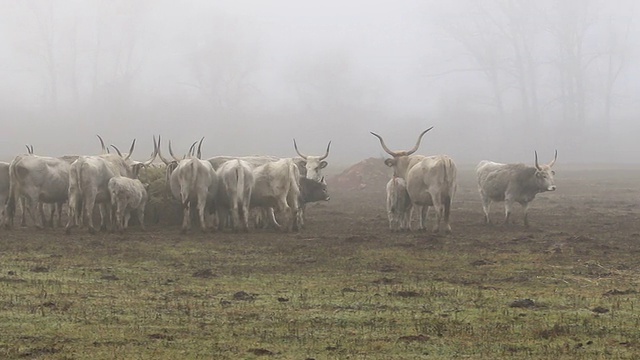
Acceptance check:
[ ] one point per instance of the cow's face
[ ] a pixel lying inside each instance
(544, 178)
(544, 174)
(314, 165)
(400, 165)
(316, 190)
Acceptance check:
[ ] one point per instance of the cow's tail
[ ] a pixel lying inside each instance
(448, 184)
(240, 182)
(294, 194)
(191, 186)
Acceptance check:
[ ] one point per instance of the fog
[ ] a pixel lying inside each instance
(497, 79)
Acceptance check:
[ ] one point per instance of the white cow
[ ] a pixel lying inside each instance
(127, 195)
(193, 182)
(276, 186)
(37, 180)
(88, 184)
(234, 193)
(398, 204)
(431, 181)
(513, 183)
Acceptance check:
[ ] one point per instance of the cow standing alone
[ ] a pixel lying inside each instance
(513, 183)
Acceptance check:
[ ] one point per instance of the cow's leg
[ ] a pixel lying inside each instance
(235, 214)
(73, 213)
(446, 200)
(525, 207)
(508, 206)
(186, 216)
(423, 214)
(246, 210)
(87, 210)
(140, 214)
(23, 205)
(44, 221)
(201, 206)
(439, 207)
(486, 206)
(59, 207)
(405, 223)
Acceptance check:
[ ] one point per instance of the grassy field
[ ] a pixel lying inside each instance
(343, 288)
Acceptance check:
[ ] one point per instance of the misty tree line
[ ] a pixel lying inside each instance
(555, 65)
(539, 72)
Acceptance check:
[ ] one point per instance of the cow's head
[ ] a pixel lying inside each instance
(314, 190)
(313, 164)
(401, 159)
(544, 174)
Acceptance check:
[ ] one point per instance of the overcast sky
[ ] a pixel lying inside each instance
(497, 79)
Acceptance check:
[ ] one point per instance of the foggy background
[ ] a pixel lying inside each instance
(498, 79)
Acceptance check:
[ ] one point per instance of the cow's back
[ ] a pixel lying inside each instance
(435, 174)
(495, 179)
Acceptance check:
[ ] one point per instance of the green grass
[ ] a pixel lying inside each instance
(136, 296)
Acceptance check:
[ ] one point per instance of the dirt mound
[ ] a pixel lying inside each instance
(371, 172)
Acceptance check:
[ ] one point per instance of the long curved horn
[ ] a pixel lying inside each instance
(167, 162)
(117, 150)
(171, 152)
(104, 149)
(327, 153)
(555, 157)
(133, 145)
(295, 146)
(384, 146)
(200, 148)
(29, 151)
(154, 153)
(536, 163)
(415, 148)
(192, 148)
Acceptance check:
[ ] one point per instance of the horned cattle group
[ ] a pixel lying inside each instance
(231, 191)
(222, 189)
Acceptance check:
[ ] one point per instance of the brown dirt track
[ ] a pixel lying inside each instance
(588, 231)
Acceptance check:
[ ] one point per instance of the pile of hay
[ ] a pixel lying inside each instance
(368, 173)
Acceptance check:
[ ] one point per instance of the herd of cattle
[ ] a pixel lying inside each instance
(226, 190)
(221, 189)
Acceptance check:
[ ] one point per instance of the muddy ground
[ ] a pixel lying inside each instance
(589, 229)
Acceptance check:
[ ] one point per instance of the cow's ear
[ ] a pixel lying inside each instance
(390, 162)
(323, 164)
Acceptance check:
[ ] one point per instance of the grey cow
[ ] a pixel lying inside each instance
(513, 183)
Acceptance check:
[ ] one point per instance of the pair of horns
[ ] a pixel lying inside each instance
(190, 153)
(305, 156)
(401, 153)
(555, 157)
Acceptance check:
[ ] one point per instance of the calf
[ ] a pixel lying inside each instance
(513, 183)
(398, 204)
(127, 195)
